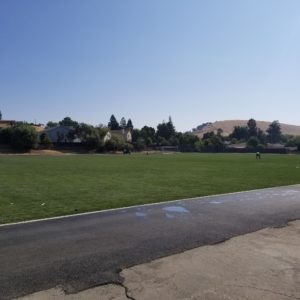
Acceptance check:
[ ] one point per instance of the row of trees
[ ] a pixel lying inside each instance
(254, 136)
(23, 136)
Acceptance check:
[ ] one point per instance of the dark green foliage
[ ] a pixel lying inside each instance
(0, 115)
(298, 142)
(136, 133)
(162, 141)
(261, 136)
(51, 124)
(148, 134)
(45, 141)
(274, 132)
(129, 124)
(114, 144)
(113, 124)
(67, 121)
(140, 144)
(91, 136)
(219, 132)
(166, 130)
(213, 142)
(244, 133)
(24, 137)
(187, 142)
(253, 142)
(5, 135)
(240, 133)
(293, 141)
(252, 128)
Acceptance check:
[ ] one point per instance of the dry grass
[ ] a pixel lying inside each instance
(228, 125)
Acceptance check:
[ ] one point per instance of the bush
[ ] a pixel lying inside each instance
(5, 135)
(114, 144)
(45, 141)
(92, 141)
(253, 142)
(24, 137)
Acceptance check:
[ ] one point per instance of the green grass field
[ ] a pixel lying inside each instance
(44, 186)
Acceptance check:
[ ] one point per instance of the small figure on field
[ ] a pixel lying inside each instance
(257, 155)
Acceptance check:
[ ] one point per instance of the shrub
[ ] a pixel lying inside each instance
(5, 135)
(45, 141)
(114, 144)
(24, 137)
(253, 142)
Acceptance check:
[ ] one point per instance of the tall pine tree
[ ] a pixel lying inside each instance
(123, 123)
(113, 124)
(129, 124)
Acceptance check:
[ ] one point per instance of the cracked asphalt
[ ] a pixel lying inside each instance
(84, 251)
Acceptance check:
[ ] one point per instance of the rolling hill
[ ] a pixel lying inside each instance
(228, 125)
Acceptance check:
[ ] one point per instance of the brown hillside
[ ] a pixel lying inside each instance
(228, 125)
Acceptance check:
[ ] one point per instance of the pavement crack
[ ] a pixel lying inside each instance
(121, 284)
(264, 290)
(126, 291)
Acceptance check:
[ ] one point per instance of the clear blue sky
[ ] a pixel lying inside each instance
(196, 61)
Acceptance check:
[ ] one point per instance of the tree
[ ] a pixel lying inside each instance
(136, 133)
(252, 128)
(0, 115)
(113, 124)
(5, 135)
(67, 121)
(82, 131)
(166, 130)
(45, 141)
(187, 141)
(51, 124)
(274, 132)
(219, 132)
(24, 137)
(148, 134)
(123, 123)
(297, 139)
(239, 133)
(261, 136)
(253, 142)
(94, 139)
(212, 142)
(114, 144)
(129, 124)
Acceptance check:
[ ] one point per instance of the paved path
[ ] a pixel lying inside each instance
(88, 250)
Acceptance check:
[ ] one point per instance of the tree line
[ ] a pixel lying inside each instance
(23, 136)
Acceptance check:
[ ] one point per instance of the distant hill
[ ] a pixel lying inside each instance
(228, 125)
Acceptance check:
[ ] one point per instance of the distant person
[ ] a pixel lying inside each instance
(257, 155)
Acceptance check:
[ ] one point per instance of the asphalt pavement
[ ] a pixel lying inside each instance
(83, 251)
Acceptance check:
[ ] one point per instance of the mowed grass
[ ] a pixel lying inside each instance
(43, 186)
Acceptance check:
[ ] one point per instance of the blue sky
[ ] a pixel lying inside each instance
(196, 61)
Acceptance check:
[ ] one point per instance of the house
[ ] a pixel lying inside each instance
(123, 134)
(61, 134)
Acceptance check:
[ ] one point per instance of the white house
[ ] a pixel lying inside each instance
(123, 134)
